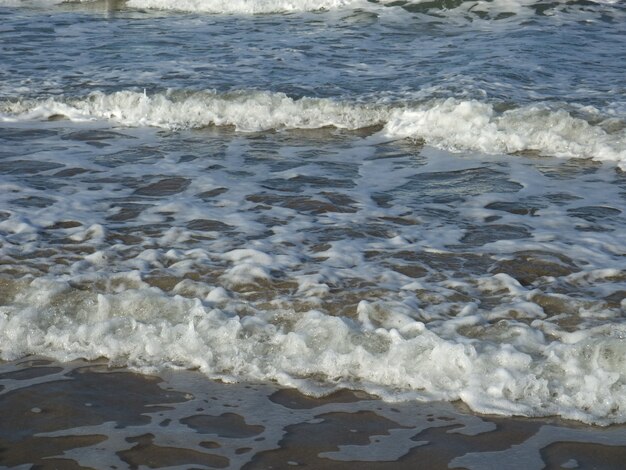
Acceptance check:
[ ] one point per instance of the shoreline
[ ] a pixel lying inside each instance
(86, 415)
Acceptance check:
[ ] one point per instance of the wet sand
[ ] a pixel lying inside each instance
(87, 415)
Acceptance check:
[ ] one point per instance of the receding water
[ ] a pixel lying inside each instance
(418, 200)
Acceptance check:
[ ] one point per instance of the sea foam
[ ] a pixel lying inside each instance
(468, 8)
(244, 6)
(246, 111)
(476, 10)
(580, 378)
(451, 124)
(471, 125)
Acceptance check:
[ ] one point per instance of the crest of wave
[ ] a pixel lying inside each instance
(247, 111)
(471, 125)
(451, 124)
(244, 6)
(39, 3)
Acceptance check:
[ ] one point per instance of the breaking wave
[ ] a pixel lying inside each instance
(244, 6)
(493, 9)
(580, 376)
(451, 124)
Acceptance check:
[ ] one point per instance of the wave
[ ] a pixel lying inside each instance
(578, 376)
(41, 3)
(471, 125)
(492, 9)
(451, 124)
(246, 111)
(244, 6)
(477, 7)
(205, 6)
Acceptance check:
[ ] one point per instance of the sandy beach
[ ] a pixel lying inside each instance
(87, 415)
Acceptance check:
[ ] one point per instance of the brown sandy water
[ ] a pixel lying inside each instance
(319, 260)
(87, 415)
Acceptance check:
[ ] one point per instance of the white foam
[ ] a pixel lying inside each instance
(315, 300)
(473, 9)
(244, 6)
(471, 125)
(40, 3)
(148, 330)
(247, 111)
(450, 124)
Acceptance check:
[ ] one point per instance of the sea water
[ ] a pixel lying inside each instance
(415, 199)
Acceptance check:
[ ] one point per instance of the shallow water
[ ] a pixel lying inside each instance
(415, 201)
(75, 415)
